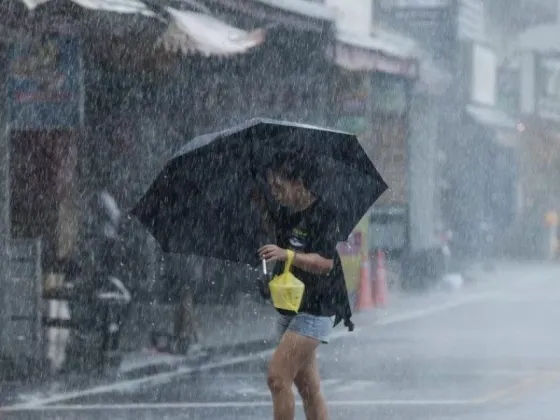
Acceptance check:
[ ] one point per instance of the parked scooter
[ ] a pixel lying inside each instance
(100, 299)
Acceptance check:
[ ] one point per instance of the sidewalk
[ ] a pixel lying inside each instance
(232, 330)
(236, 329)
(224, 329)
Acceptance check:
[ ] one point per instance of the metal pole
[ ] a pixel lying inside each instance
(4, 201)
(4, 230)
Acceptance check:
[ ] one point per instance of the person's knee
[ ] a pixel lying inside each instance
(307, 386)
(277, 381)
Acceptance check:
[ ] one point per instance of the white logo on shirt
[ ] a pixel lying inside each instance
(296, 243)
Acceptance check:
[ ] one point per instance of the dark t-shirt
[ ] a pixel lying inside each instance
(314, 231)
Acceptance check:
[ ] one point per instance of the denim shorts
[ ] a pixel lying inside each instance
(312, 326)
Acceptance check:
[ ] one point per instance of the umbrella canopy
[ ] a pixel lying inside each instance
(201, 202)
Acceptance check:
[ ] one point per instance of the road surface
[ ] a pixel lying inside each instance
(488, 352)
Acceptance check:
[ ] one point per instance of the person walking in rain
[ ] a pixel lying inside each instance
(305, 230)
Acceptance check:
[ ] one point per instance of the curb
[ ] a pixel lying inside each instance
(114, 372)
(206, 355)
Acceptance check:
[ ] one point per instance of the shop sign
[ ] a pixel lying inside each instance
(354, 104)
(389, 94)
(428, 21)
(45, 83)
(540, 86)
(389, 228)
(471, 20)
(424, 18)
(352, 99)
(548, 88)
(483, 75)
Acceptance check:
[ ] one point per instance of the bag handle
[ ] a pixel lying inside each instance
(289, 260)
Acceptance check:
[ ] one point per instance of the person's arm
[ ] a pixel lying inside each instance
(321, 260)
(313, 263)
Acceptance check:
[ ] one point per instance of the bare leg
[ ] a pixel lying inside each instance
(308, 384)
(291, 354)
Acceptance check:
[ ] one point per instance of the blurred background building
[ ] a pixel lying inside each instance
(456, 101)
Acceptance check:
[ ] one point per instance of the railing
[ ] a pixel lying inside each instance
(22, 303)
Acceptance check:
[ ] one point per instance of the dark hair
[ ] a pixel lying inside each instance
(293, 168)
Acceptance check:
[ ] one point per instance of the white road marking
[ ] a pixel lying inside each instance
(353, 385)
(164, 377)
(513, 373)
(329, 386)
(421, 313)
(525, 298)
(230, 404)
(327, 383)
(253, 392)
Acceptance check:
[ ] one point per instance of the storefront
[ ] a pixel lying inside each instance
(90, 108)
(75, 120)
(539, 144)
(471, 144)
(375, 107)
(373, 80)
(287, 77)
(373, 91)
(45, 102)
(426, 112)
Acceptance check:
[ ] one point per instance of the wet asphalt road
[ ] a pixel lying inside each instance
(488, 352)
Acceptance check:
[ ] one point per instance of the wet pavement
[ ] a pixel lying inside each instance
(491, 351)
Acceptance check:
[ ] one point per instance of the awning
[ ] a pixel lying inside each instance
(188, 32)
(315, 10)
(302, 15)
(358, 52)
(118, 6)
(492, 117)
(391, 52)
(196, 32)
(543, 38)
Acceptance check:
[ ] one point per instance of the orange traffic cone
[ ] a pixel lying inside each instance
(365, 298)
(380, 281)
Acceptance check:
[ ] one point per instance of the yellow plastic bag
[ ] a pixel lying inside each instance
(286, 290)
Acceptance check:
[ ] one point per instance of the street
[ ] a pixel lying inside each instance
(489, 351)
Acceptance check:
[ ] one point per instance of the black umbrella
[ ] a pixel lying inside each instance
(201, 202)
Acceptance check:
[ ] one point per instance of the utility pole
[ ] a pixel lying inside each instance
(4, 204)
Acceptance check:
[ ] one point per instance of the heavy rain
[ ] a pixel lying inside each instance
(279, 209)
